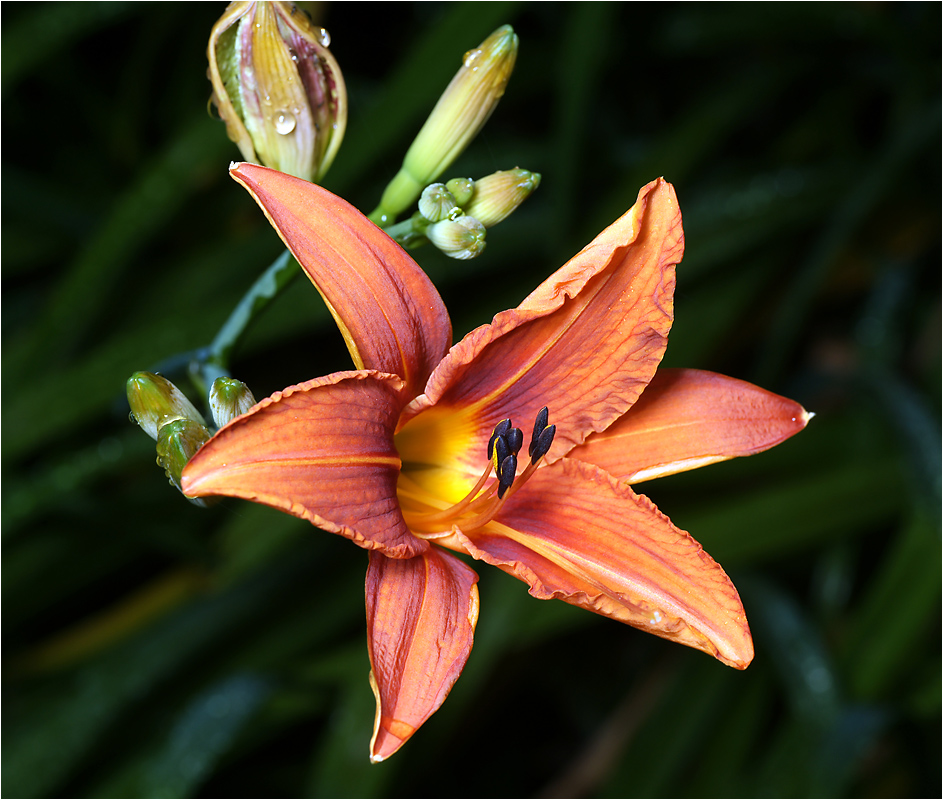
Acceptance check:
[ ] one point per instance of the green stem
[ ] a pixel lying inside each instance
(213, 362)
(410, 232)
(400, 194)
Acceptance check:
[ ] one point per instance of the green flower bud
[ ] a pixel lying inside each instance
(177, 443)
(462, 189)
(497, 195)
(277, 87)
(462, 238)
(229, 399)
(462, 110)
(155, 402)
(436, 202)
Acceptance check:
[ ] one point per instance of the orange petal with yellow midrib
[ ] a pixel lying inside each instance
(688, 418)
(574, 533)
(323, 451)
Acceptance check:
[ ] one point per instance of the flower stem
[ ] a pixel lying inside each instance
(400, 194)
(410, 232)
(213, 362)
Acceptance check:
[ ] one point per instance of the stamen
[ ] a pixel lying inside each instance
(499, 430)
(543, 417)
(461, 505)
(501, 452)
(480, 505)
(515, 440)
(507, 473)
(539, 447)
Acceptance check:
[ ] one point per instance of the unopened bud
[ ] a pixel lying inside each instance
(462, 110)
(229, 399)
(498, 195)
(177, 443)
(436, 202)
(462, 238)
(155, 402)
(462, 189)
(277, 87)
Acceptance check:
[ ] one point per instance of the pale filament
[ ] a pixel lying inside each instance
(473, 511)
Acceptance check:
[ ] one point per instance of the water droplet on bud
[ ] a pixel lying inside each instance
(471, 57)
(324, 38)
(284, 122)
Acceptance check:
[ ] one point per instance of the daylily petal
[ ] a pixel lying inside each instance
(387, 309)
(585, 343)
(421, 616)
(576, 534)
(321, 450)
(688, 418)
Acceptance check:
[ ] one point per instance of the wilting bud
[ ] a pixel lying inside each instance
(436, 202)
(461, 112)
(155, 402)
(229, 399)
(462, 238)
(497, 195)
(462, 189)
(177, 443)
(277, 87)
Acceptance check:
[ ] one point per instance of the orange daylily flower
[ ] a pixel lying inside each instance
(401, 454)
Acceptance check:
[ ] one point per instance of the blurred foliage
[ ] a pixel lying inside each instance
(156, 649)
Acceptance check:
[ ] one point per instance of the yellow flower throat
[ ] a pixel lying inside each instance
(428, 514)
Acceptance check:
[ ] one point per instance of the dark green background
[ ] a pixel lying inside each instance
(152, 648)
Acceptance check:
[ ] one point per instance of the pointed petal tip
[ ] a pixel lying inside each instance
(737, 650)
(248, 173)
(385, 743)
(745, 660)
(238, 169)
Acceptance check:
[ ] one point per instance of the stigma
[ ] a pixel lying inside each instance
(498, 482)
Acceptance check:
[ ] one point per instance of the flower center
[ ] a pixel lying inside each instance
(485, 499)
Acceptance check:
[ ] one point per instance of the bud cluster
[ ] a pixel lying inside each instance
(454, 215)
(167, 416)
(462, 110)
